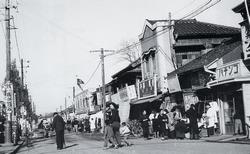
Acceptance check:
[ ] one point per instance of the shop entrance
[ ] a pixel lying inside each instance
(232, 105)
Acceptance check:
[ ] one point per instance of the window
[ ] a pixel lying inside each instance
(184, 57)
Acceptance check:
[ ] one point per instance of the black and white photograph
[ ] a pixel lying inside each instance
(125, 76)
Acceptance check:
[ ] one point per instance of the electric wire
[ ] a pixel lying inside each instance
(92, 75)
(166, 28)
(16, 40)
(187, 5)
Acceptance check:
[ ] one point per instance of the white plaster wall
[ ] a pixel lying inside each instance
(165, 64)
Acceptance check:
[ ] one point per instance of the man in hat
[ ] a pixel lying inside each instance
(58, 126)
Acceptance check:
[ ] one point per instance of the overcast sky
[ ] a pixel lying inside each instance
(57, 35)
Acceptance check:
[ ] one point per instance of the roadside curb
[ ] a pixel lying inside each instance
(16, 148)
(234, 142)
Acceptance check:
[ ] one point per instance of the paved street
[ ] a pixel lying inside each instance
(78, 144)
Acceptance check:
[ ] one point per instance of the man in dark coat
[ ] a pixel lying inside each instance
(193, 125)
(115, 122)
(145, 124)
(58, 125)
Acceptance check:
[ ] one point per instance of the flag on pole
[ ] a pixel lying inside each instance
(79, 82)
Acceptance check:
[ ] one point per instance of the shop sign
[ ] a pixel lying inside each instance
(131, 92)
(147, 88)
(228, 71)
(123, 94)
(173, 84)
(246, 40)
(99, 98)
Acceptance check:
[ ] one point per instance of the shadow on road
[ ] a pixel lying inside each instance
(70, 146)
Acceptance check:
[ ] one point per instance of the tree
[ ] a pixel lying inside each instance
(130, 51)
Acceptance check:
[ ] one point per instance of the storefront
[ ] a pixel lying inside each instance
(232, 86)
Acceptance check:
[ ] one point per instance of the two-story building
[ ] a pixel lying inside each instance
(84, 103)
(124, 87)
(167, 45)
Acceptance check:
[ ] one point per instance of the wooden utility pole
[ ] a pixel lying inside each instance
(173, 58)
(22, 73)
(103, 81)
(8, 132)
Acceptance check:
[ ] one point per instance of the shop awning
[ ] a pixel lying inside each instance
(146, 100)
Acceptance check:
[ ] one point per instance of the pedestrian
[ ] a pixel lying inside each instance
(171, 124)
(58, 125)
(192, 115)
(75, 125)
(125, 132)
(210, 119)
(163, 121)
(115, 122)
(180, 127)
(109, 135)
(237, 123)
(154, 122)
(145, 124)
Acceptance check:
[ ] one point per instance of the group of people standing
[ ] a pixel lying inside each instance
(170, 124)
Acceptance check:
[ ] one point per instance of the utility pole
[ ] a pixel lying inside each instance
(8, 132)
(8, 52)
(173, 58)
(103, 81)
(22, 73)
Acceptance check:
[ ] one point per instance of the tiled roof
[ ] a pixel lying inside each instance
(207, 58)
(130, 67)
(241, 7)
(152, 22)
(187, 28)
(192, 27)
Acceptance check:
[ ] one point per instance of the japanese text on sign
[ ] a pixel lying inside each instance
(228, 71)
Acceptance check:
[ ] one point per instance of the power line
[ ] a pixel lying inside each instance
(187, 5)
(17, 45)
(92, 74)
(166, 28)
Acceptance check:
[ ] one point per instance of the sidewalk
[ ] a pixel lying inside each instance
(10, 148)
(238, 139)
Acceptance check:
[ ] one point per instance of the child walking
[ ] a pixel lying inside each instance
(109, 136)
(125, 132)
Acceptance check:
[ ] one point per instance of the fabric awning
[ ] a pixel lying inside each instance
(146, 100)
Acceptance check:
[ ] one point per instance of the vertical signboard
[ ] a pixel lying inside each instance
(147, 88)
(131, 92)
(245, 32)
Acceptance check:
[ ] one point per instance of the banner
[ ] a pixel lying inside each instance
(131, 92)
(147, 88)
(99, 98)
(123, 94)
(173, 84)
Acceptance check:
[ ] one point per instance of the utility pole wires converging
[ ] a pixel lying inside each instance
(102, 51)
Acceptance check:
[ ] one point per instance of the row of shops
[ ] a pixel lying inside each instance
(189, 64)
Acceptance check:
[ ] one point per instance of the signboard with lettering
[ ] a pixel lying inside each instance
(228, 71)
(123, 94)
(173, 84)
(147, 88)
(245, 30)
(131, 92)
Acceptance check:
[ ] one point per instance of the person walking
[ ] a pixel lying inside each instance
(109, 136)
(163, 121)
(154, 122)
(145, 124)
(192, 115)
(75, 125)
(115, 122)
(58, 125)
